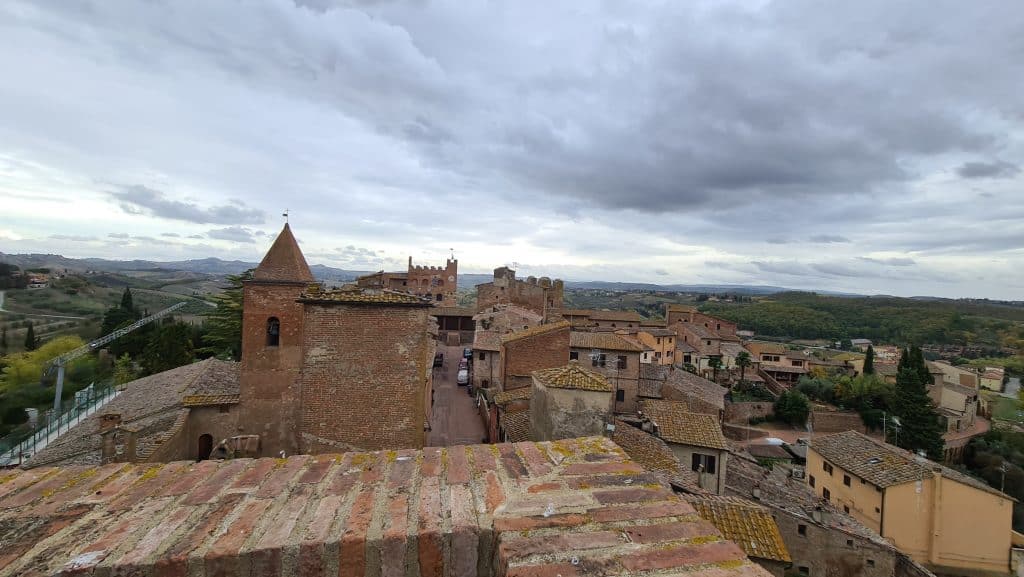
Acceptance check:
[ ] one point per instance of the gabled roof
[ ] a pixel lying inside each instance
(748, 524)
(516, 426)
(572, 376)
(655, 456)
(486, 341)
(687, 384)
(603, 341)
(884, 465)
(677, 425)
(284, 261)
(534, 331)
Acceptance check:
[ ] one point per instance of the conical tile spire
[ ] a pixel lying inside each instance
(284, 261)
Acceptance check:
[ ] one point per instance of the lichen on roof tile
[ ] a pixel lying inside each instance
(748, 524)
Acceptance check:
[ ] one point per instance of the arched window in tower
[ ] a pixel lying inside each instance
(273, 332)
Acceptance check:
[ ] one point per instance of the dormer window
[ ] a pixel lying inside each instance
(273, 332)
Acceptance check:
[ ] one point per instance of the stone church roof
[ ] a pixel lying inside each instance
(284, 261)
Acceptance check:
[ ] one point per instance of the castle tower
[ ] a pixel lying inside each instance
(272, 333)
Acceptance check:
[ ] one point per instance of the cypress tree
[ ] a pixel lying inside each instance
(869, 361)
(920, 429)
(31, 343)
(126, 300)
(3, 340)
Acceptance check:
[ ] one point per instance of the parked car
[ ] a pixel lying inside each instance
(463, 364)
(439, 360)
(463, 377)
(467, 353)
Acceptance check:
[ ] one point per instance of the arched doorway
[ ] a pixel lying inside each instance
(205, 447)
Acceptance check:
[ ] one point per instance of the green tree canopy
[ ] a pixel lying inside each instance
(869, 361)
(792, 407)
(223, 336)
(31, 343)
(170, 347)
(919, 426)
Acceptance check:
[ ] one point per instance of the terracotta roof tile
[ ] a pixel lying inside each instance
(748, 524)
(207, 400)
(533, 331)
(516, 426)
(688, 384)
(572, 376)
(520, 394)
(487, 341)
(676, 425)
(654, 455)
(603, 341)
(360, 296)
(284, 261)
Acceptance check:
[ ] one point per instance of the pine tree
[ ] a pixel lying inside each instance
(31, 343)
(222, 335)
(869, 361)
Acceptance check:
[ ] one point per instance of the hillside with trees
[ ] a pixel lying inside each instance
(881, 319)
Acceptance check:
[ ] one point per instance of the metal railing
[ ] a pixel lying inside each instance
(18, 447)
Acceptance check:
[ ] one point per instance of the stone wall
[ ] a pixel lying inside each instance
(218, 421)
(741, 433)
(364, 377)
(538, 295)
(568, 413)
(741, 413)
(532, 509)
(831, 551)
(837, 422)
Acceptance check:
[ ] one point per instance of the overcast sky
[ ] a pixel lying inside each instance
(870, 146)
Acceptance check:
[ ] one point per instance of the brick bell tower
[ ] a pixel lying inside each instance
(272, 332)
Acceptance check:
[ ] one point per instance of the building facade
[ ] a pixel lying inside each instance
(539, 295)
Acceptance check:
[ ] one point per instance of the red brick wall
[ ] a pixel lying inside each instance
(268, 375)
(429, 281)
(365, 377)
(520, 357)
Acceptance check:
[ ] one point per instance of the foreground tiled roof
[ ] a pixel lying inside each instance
(572, 376)
(574, 507)
(602, 341)
(150, 405)
(747, 524)
(284, 261)
(360, 296)
(676, 425)
(520, 394)
(534, 331)
(882, 464)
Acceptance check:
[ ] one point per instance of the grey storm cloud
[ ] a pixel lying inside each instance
(233, 233)
(139, 199)
(998, 169)
(121, 235)
(828, 238)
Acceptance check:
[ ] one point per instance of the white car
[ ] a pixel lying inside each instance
(463, 377)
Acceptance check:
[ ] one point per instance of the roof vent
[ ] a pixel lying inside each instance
(874, 461)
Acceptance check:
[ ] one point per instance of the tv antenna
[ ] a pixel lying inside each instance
(285, 215)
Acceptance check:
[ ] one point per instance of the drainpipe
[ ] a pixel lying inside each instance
(936, 513)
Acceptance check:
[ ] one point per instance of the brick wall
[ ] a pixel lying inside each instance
(836, 422)
(832, 551)
(520, 357)
(626, 380)
(268, 376)
(539, 295)
(365, 377)
(567, 508)
(741, 413)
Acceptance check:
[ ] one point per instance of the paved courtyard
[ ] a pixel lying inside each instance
(455, 419)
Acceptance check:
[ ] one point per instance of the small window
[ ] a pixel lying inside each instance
(705, 463)
(483, 355)
(597, 360)
(877, 510)
(810, 480)
(871, 562)
(826, 494)
(273, 332)
(622, 362)
(802, 529)
(846, 480)
(620, 395)
(826, 467)
(613, 325)
(659, 340)
(574, 355)
(439, 297)
(846, 509)
(849, 542)
(224, 408)
(804, 570)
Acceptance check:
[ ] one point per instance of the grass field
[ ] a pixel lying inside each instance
(1007, 409)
